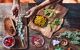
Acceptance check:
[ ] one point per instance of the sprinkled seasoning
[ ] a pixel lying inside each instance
(40, 21)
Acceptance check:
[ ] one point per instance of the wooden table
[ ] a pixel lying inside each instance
(71, 23)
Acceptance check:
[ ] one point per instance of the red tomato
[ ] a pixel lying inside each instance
(8, 41)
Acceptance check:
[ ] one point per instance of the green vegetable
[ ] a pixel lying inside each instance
(19, 30)
(49, 12)
(58, 48)
(55, 22)
(52, 25)
(52, 14)
(74, 37)
(75, 42)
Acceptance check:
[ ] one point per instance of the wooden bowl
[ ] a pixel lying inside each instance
(9, 26)
(37, 40)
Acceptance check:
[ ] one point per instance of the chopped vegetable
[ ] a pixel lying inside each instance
(40, 21)
(52, 25)
(8, 41)
(52, 14)
(47, 12)
(74, 37)
(55, 22)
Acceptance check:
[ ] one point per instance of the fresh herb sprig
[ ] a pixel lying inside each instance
(74, 37)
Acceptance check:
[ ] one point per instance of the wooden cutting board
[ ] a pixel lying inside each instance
(46, 30)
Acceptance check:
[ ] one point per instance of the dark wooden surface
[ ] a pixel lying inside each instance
(72, 18)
